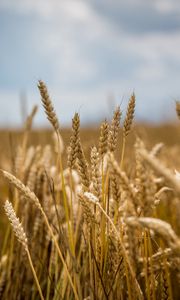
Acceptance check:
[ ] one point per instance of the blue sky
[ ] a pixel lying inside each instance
(92, 54)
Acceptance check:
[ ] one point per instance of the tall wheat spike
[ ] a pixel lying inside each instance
(114, 129)
(103, 139)
(74, 142)
(129, 115)
(48, 106)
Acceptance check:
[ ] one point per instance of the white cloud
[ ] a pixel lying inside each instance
(64, 41)
(66, 47)
(149, 72)
(76, 10)
(167, 6)
(153, 46)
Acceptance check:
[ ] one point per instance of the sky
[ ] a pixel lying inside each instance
(92, 54)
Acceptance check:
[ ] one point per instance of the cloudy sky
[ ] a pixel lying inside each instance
(92, 54)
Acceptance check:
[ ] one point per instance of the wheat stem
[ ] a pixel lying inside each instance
(34, 274)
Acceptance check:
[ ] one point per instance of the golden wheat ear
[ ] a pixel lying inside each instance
(127, 124)
(129, 115)
(48, 106)
(114, 130)
(74, 142)
(16, 225)
(103, 139)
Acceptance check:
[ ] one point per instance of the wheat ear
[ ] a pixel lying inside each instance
(74, 141)
(114, 129)
(103, 139)
(128, 124)
(48, 106)
(22, 238)
(83, 167)
(129, 115)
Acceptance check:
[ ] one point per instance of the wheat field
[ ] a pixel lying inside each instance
(90, 213)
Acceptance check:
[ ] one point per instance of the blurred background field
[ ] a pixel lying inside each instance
(168, 134)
